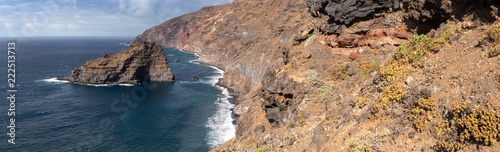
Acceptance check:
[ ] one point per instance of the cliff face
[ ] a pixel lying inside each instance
(142, 61)
(313, 76)
(240, 37)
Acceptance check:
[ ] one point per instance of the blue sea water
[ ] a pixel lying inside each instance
(53, 115)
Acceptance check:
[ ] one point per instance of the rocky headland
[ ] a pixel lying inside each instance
(140, 62)
(352, 75)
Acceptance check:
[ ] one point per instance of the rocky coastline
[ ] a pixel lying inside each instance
(309, 76)
(140, 62)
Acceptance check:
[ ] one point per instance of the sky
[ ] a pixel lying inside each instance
(32, 18)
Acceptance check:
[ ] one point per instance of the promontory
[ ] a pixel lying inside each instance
(141, 62)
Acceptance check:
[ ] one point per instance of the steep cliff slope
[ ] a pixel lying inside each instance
(142, 61)
(395, 75)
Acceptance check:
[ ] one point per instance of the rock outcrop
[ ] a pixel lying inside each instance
(420, 13)
(140, 62)
(345, 12)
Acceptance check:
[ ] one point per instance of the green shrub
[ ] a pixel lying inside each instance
(414, 52)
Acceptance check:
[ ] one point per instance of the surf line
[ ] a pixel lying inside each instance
(220, 124)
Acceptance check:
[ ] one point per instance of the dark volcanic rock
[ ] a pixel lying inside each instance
(343, 12)
(142, 61)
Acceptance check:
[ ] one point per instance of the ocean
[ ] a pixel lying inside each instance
(52, 115)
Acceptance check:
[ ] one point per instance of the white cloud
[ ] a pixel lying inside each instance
(57, 26)
(74, 26)
(7, 26)
(94, 17)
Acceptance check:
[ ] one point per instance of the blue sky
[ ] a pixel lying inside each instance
(31, 18)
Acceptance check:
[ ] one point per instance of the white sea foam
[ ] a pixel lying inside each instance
(200, 81)
(194, 61)
(108, 85)
(196, 54)
(56, 81)
(220, 124)
(125, 44)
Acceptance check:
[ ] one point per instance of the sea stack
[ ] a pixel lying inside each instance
(141, 62)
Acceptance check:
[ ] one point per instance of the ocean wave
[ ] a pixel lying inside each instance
(107, 85)
(125, 44)
(217, 70)
(56, 81)
(220, 124)
(196, 54)
(195, 62)
(201, 81)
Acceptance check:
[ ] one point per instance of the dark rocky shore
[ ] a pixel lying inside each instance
(141, 62)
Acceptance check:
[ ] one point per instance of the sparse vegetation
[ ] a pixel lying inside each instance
(368, 68)
(310, 41)
(494, 34)
(360, 101)
(312, 77)
(421, 123)
(479, 125)
(325, 92)
(459, 109)
(414, 52)
(426, 104)
(393, 93)
(394, 71)
(441, 129)
(494, 37)
(369, 142)
(474, 125)
(443, 37)
(447, 146)
(354, 145)
(422, 114)
(302, 120)
(338, 72)
(495, 51)
(260, 149)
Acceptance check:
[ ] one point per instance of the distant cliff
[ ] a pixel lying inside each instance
(140, 62)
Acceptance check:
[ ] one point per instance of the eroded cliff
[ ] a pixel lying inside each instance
(140, 62)
(314, 76)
